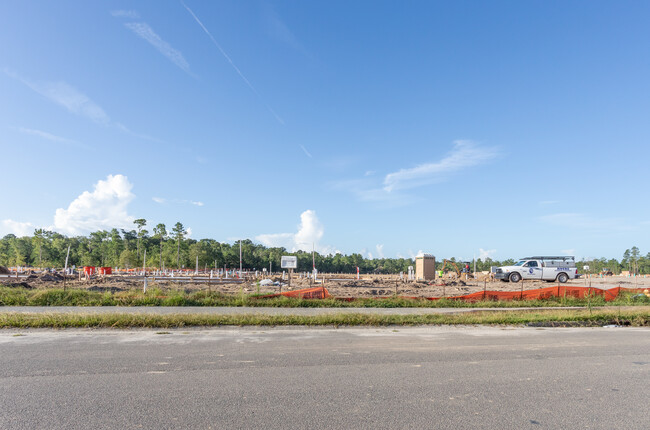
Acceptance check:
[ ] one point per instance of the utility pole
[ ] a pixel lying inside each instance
(313, 262)
(474, 266)
(65, 269)
(144, 271)
(240, 260)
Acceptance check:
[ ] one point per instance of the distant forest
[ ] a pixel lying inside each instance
(172, 249)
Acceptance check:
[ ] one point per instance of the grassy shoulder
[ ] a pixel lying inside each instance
(10, 296)
(547, 318)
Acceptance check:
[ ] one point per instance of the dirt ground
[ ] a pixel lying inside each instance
(338, 285)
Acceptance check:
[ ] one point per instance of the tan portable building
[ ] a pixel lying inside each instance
(425, 267)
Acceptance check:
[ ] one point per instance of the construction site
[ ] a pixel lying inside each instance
(423, 282)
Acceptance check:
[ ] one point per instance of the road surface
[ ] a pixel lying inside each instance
(374, 378)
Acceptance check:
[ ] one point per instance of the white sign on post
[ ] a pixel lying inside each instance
(289, 262)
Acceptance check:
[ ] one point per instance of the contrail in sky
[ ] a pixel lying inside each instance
(241, 75)
(306, 152)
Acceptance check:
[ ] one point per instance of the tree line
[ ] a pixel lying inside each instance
(172, 249)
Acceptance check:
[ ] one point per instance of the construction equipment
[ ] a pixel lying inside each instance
(451, 263)
(606, 272)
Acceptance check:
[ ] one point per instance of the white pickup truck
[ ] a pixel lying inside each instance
(559, 269)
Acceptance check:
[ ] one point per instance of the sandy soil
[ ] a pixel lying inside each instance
(338, 285)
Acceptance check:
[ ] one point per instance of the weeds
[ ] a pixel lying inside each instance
(553, 318)
(158, 297)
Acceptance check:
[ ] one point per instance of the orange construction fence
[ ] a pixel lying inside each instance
(545, 293)
(536, 294)
(307, 293)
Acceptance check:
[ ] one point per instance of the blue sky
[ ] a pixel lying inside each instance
(464, 128)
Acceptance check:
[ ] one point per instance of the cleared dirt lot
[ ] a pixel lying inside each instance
(337, 284)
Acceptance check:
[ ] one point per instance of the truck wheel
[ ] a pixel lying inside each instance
(515, 277)
(562, 278)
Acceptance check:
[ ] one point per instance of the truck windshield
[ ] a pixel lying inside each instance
(520, 263)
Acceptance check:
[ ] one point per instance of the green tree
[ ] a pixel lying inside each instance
(627, 259)
(98, 240)
(634, 257)
(20, 251)
(202, 250)
(39, 236)
(128, 259)
(140, 223)
(160, 233)
(115, 247)
(179, 235)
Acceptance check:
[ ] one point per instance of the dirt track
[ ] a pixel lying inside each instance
(338, 285)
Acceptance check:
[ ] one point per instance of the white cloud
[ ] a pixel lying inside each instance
(464, 154)
(380, 250)
(279, 240)
(143, 30)
(75, 102)
(417, 254)
(69, 97)
(125, 14)
(103, 208)
(162, 200)
(310, 232)
(188, 232)
(484, 254)
(18, 228)
(50, 137)
(130, 132)
(390, 191)
(368, 190)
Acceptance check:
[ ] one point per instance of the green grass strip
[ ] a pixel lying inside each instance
(156, 297)
(635, 317)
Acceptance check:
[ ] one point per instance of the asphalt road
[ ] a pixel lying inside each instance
(425, 377)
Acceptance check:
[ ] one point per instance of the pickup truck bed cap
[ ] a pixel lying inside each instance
(564, 257)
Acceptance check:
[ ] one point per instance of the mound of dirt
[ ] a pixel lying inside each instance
(4, 271)
(456, 283)
(50, 277)
(105, 289)
(18, 285)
